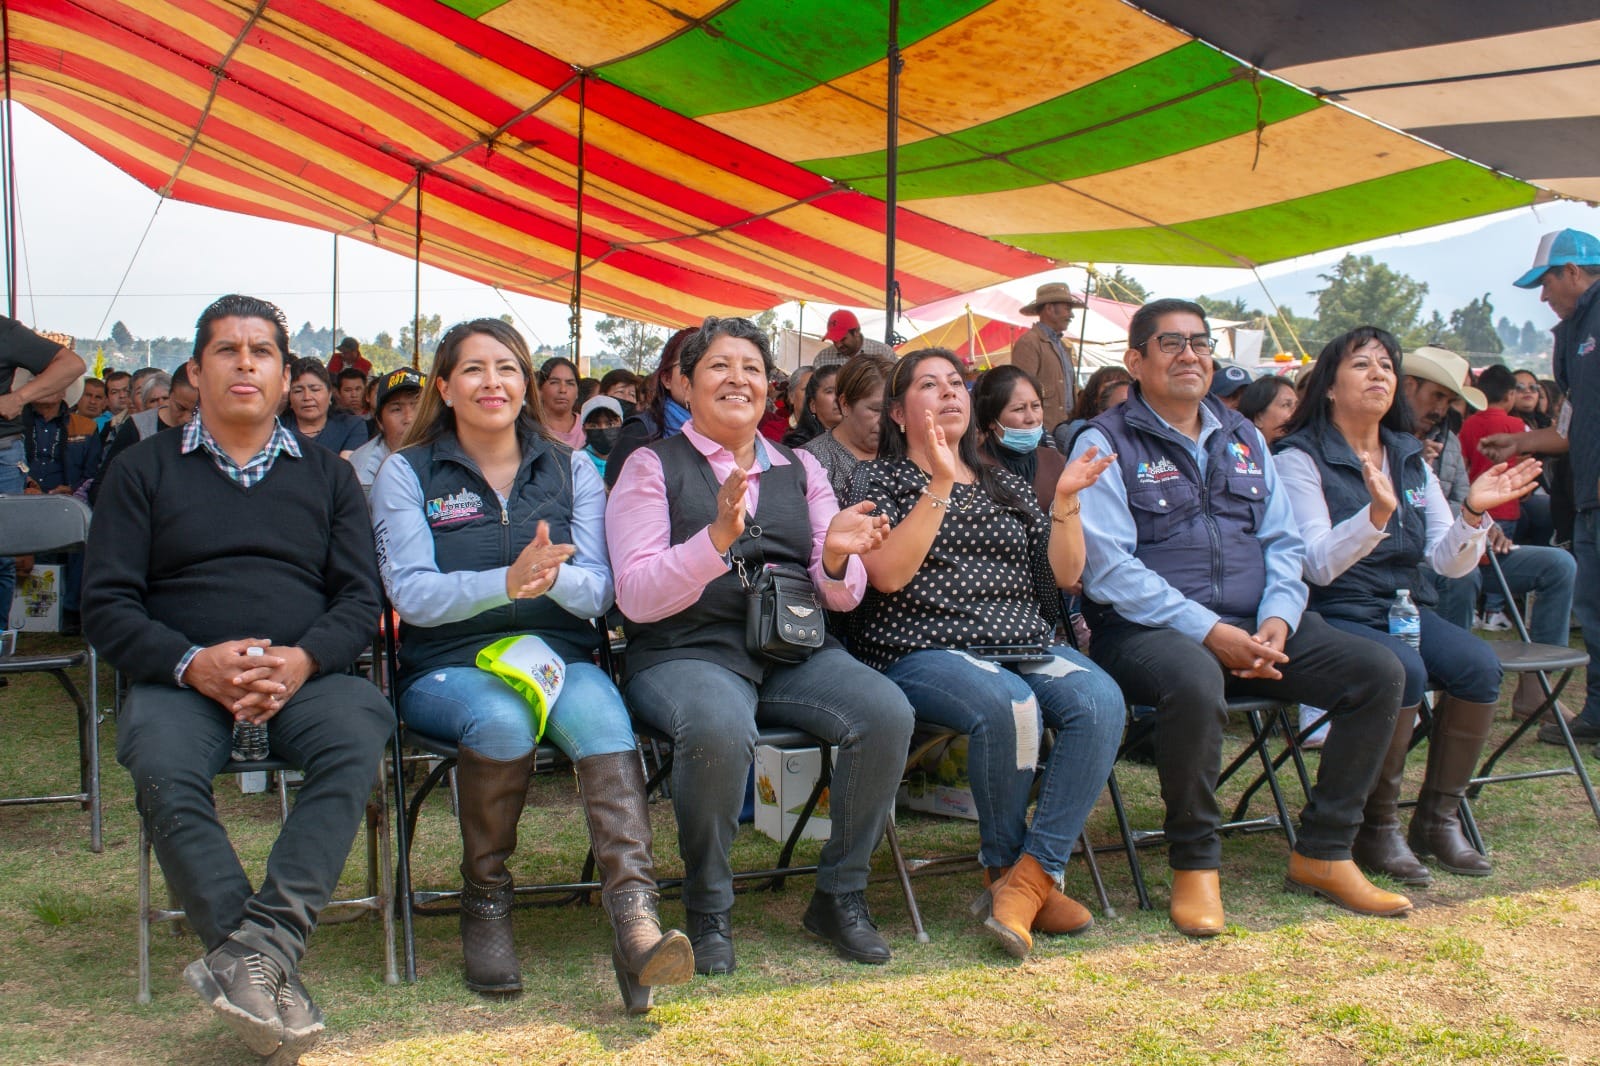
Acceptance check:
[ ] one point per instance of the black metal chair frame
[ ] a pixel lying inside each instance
(31, 536)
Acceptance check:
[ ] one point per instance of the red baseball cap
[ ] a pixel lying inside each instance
(840, 323)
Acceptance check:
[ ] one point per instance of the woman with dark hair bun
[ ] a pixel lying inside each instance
(1372, 514)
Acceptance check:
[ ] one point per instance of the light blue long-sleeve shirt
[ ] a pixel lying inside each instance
(1113, 575)
(425, 596)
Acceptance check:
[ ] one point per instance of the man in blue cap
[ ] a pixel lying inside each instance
(1566, 271)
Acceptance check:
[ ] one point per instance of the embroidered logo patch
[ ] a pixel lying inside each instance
(457, 507)
(1415, 498)
(1242, 462)
(1157, 472)
(1587, 347)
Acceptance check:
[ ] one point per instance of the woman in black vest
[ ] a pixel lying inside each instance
(687, 517)
(973, 563)
(1372, 515)
(490, 529)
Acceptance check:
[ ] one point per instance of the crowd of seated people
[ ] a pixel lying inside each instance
(939, 524)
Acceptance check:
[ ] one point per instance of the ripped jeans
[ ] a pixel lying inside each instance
(1002, 707)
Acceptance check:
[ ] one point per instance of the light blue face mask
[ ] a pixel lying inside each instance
(1021, 440)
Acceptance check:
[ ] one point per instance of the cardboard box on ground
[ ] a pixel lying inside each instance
(784, 780)
(36, 606)
(937, 781)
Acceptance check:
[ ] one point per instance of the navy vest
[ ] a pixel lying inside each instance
(712, 628)
(1198, 534)
(472, 531)
(1364, 592)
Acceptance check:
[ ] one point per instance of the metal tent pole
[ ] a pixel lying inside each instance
(890, 286)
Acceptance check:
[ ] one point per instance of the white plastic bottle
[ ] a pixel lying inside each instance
(1405, 621)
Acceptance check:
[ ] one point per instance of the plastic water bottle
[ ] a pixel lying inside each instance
(250, 740)
(1404, 620)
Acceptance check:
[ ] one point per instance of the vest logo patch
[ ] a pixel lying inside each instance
(1587, 347)
(1242, 462)
(1157, 472)
(1416, 498)
(457, 507)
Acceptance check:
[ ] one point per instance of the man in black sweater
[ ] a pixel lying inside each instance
(230, 575)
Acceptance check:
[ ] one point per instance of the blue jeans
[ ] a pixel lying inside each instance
(1460, 663)
(1001, 710)
(1586, 603)
(1549, 574)
(12, 481)
(477, 710)
(711, 714)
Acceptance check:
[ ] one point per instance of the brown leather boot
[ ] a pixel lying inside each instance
(1018, 897)
(614, 803)
(1529, 697)
(1061, 915)
(491, 794)
(1196, 904)
(1379, 846)
(1459, 732)
(1340, 881)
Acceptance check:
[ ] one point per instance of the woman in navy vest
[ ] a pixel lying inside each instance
(488, 528)
(1373, 515)
(687, 515)
(972, 562)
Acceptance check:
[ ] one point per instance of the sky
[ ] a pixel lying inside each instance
(89, 231)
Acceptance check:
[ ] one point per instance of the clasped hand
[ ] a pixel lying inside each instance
(252, 688)
(1250, 654)
(535, 569)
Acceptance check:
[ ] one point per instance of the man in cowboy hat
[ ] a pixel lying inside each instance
(1043, 351)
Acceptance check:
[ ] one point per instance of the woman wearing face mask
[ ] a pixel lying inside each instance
(1010, 415)
(854, 438)
(661, 413)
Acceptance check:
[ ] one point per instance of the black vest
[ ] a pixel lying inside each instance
(1365, 592)
(712, 628)
(471, 531)
(1198, 534)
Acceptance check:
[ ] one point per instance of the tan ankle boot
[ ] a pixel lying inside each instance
(1341, 882)
(1018, 898)
(1061, 915)
(1196, 904)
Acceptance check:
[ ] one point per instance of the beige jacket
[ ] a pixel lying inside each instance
(1034, 353)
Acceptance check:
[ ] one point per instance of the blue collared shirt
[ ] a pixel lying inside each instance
(1112, 574)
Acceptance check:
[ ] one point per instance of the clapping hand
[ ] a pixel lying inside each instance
(536, 567)
(1082, 472)
(1381, 489)
(1502, 483)
(855, 531)
(729, 523)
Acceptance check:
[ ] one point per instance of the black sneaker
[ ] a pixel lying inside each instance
(844, 921)
(302, 1022)
(711, 936)
(242, 986)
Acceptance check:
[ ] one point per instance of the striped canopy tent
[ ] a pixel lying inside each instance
(981, 326)
(729, 155)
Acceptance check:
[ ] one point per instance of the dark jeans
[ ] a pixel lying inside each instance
(1358, 682)
(711, 713)
(175, 741)
(1451, 657)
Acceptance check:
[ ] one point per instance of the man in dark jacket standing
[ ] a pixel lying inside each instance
(231, 576)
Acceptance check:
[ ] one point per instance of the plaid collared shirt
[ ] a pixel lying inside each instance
(195, 435)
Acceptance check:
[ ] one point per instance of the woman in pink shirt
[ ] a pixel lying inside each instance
(687, 514)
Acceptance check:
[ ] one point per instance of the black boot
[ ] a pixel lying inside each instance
(491, 794)
(1379, 846)
(1459, 732)
(619, 827)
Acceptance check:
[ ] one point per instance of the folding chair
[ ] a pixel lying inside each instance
(379, 898)
(32, 525)
(1261, 715)
(1523, 656)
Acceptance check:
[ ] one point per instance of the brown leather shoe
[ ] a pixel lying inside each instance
(1196, 904)
(1341, 882)
(1061, 915)
(1018, 897)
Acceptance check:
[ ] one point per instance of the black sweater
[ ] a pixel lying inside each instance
(180, 555)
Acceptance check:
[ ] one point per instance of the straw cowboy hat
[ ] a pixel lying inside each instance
(1052, 293)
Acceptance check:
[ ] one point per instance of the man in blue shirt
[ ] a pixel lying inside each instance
(1193, 590)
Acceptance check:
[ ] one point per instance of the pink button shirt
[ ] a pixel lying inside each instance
(656, 578)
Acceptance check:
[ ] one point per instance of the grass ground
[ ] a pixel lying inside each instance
(1495, 970)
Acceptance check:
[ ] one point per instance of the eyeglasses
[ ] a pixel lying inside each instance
(1527, 388)
(1173, 343)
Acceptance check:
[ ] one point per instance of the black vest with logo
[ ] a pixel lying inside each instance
(472, 531)
(712, 628)
(1198, 533)
(1365, 591)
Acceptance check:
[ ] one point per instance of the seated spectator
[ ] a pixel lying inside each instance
(92, 403)
(519, 551)
(780, 414)
(166, 402)
(1269, 402)
(558, 396)
(1105, 388)
(685, 515)
(623, 386)
(588, 388)
(399, 392)
(1228, 382)
(117, 384)
(854, 438)
(1010, 419)
(973, 563)
(819, 408)
(1371, 512)
(661, 414)
(1193, 589)
(209, 543)
(602, 422)
(845, 342)
(351, 397)
(62, 450)
(310, 413)
(348, 354)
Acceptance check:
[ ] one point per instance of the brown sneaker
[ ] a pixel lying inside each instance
(1341, 882)
(1196, 905)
